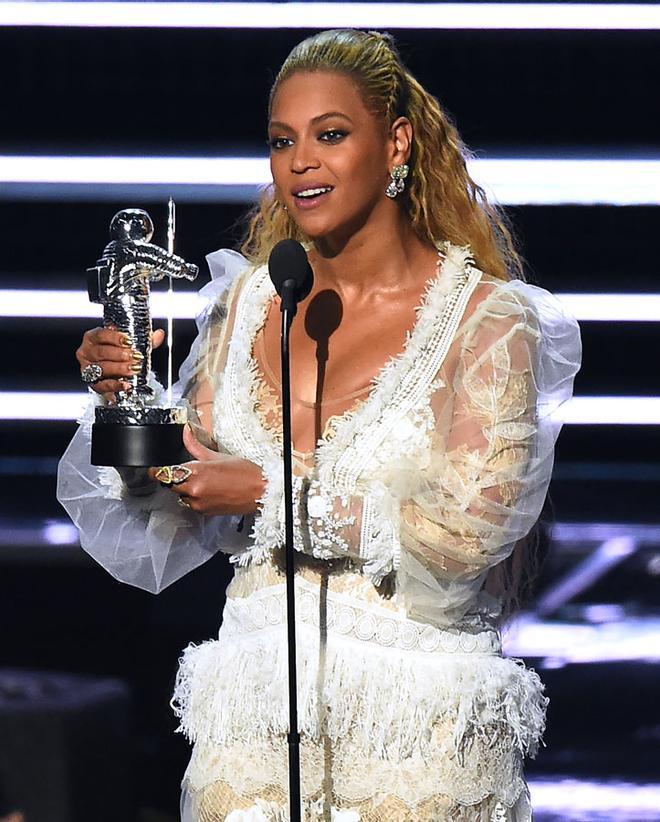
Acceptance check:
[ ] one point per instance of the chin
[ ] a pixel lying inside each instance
(316, 227)
(319, 227)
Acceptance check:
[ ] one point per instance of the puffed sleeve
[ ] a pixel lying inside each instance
(493, 450)
(145, 538)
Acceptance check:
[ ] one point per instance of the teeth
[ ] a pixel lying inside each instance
(313, 192)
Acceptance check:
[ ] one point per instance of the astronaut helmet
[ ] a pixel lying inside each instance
(131, 225)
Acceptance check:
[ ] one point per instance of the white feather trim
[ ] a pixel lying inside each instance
(386, 701)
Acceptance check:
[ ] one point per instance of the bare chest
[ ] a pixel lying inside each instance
(335, 354)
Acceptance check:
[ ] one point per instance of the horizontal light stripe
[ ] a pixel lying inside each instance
(36, 303)
(561, 643)
(250, 171)
(516, 16)
(54, 405)
(40, 303)
(580, 799)
(606, 410)
(613, 307)
(522, 181)
(42, 405)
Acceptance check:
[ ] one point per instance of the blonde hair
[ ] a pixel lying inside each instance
(441, 199)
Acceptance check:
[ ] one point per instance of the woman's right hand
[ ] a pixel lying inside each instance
(113, 351)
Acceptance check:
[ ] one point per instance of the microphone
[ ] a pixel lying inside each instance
(291, 273)
(293, 278)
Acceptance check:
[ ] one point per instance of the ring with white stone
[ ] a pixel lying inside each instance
(91, 373)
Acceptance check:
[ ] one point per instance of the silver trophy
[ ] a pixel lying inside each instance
(136, 431)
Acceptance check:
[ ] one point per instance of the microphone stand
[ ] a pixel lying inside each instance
(288, 307)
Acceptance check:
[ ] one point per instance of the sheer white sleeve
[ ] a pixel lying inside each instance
(363, 527)
(147, 540)
(517, 354)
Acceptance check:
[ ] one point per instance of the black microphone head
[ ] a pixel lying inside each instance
(288, 261)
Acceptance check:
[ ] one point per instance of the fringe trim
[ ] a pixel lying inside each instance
(387, 703)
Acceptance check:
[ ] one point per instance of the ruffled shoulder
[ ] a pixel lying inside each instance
(225, 267)
(534, 313)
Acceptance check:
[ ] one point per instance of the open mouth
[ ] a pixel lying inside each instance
(307, 194)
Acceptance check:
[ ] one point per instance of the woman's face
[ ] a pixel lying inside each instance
(329, 155)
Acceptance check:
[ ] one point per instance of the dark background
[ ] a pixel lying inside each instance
(195, 92)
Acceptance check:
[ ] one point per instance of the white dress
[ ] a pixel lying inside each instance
(408, 711)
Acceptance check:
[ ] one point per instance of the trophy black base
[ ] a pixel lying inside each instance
(137, 446)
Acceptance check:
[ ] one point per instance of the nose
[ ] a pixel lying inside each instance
(303, 156)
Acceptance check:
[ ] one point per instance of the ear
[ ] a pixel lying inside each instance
(401, 135)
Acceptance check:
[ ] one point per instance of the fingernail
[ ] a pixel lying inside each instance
(126, 341)
(136, 368)
(137, 356)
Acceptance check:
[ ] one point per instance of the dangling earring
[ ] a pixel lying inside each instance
(397, 181)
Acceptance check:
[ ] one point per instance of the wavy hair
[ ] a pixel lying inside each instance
(441, 199)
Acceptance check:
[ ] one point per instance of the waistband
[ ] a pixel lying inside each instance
(338, 616)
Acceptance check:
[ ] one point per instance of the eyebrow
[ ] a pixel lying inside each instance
(318, 119)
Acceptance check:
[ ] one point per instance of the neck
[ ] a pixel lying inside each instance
(377, 258)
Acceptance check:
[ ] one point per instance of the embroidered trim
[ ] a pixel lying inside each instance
(406, 379)
(326, 523)
(265, 609)
(401, 384)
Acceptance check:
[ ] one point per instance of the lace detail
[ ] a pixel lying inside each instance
(394, 407)
(406, 380)
(327, 520)
(358, 665)
(350, 620)
(338, 775)
(217, 802)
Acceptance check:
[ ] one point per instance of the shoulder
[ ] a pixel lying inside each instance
(501, 309)
(515, 301)
(230, 273)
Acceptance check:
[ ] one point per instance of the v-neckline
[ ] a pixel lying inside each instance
(393, 363)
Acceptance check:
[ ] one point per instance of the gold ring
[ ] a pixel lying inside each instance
(173, 474)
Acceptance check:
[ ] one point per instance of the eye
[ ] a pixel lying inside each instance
(276, 143)
(333, 135)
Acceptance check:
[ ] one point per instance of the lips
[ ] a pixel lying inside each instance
(308, 196)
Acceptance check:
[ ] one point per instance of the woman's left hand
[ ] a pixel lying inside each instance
(218, 483)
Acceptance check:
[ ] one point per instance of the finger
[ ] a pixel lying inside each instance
(157, 338)
(114, 370)
(113, 353)
(108, 336)
(106, 339)
(177, 477)
(110, 387)
(195, 448)
(190, 503)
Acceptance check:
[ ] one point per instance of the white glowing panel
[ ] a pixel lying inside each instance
(135, 170)
(619, 800)
(509, 181)
(611, 411)
(18, 405)
(15, 302)
(594, 16)
(613, 307)
(562, 643)
(42, 405)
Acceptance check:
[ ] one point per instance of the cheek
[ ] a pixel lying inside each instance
(366, 172)
(276, 168)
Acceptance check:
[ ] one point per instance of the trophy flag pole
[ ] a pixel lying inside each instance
(171, 229)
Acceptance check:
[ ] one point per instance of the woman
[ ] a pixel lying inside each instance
(425, 372)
